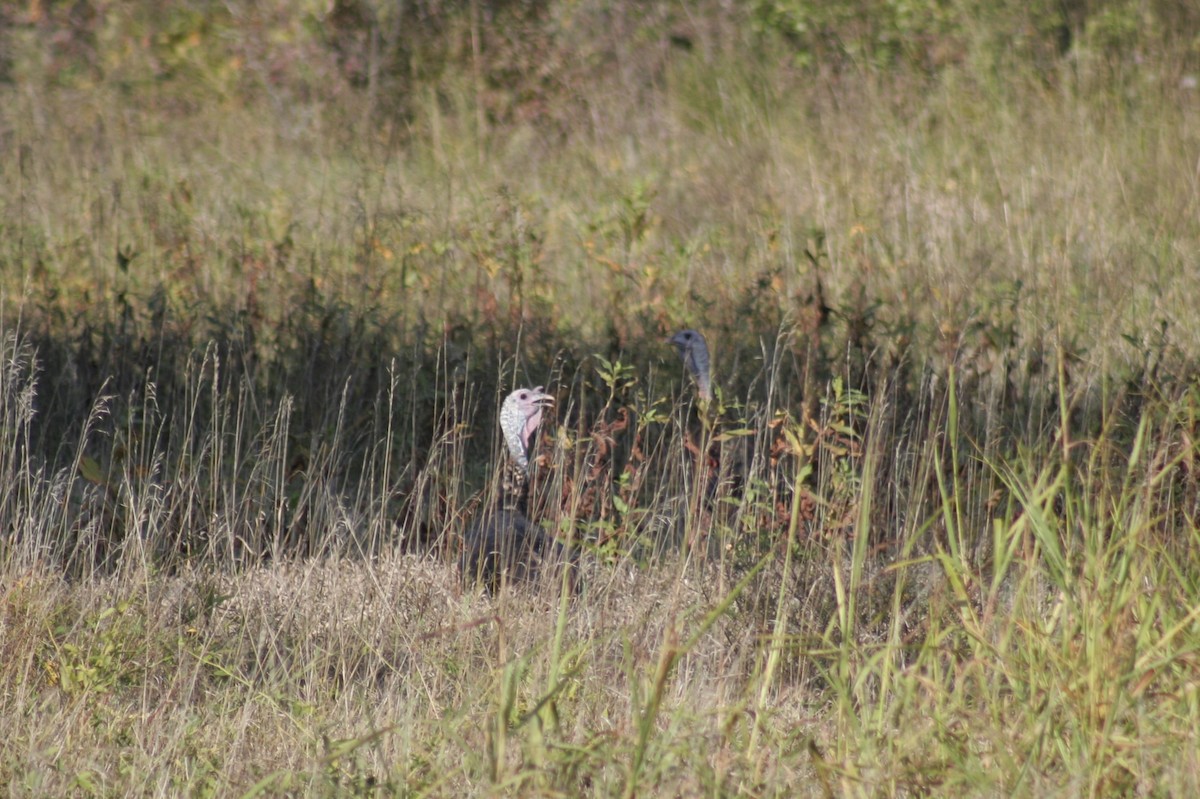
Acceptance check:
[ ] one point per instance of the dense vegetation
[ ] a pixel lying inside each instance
(266, 269)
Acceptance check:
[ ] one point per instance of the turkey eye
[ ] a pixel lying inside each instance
(524, 395)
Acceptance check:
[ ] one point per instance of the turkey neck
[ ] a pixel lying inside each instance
(514, 486)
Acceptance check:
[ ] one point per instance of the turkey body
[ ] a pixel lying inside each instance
(505, 546)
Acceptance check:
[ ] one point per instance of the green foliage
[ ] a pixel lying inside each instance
(932, 35)
(871, 33)
(100, 668)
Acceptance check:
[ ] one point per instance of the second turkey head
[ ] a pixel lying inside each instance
(693, 349)
(519, 418)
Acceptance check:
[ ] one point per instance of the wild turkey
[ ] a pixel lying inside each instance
(693, 349)
(698, 441)
(723, 456)
(721, 446)
(502, 544)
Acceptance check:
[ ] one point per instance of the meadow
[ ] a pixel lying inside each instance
(267, 270)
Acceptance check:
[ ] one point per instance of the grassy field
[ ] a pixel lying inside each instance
(267, 269)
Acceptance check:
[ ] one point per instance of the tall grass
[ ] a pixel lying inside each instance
(935, 533)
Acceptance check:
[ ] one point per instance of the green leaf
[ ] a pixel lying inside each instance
(90, 470)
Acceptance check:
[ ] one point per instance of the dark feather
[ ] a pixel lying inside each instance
(504, 545)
